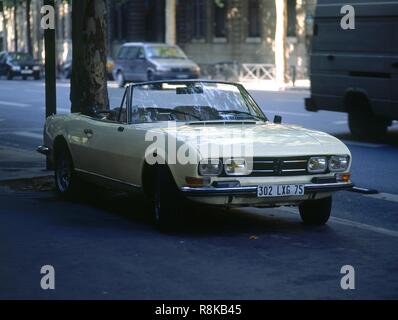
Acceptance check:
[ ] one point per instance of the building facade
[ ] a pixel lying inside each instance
(213, 31)
(209, 31)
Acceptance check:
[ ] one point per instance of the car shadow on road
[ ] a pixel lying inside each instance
(198, 220)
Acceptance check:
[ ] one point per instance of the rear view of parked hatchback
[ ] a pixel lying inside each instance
(140, 62)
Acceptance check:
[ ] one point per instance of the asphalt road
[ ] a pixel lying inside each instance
(104, 246)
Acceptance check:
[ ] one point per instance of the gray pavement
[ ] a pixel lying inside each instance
(104, 245)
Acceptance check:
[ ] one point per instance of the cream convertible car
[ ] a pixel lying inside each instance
(204, 141)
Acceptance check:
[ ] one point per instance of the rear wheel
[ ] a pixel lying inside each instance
(66, 180)
(24, 77)
(167, 202)
(316, 212)
(150, 76)
(363, 122)
(10, 75)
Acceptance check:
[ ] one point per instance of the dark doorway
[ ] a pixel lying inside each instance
(155, 20)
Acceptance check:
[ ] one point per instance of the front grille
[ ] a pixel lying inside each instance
(293, 166)
(186, 70)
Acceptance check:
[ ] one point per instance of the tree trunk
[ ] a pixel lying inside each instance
(28, 28)
(89, 78)
(280, 41)
(5, 35)
(15, 27)
(171, 22)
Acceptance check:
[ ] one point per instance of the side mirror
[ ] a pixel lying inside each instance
(277, 119)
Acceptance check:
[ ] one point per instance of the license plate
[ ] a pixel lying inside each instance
(280, 190)
(26, 71)
(182, 76)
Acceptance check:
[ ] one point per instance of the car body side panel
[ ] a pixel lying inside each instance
(120, 155)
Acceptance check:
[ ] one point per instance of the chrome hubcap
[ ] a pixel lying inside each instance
(63, 174)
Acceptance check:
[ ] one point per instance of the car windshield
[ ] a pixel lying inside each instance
(22, 57)
(165, 52)
(193, 101)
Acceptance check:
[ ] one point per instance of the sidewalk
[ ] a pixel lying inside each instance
(21, 163)
(270, 85)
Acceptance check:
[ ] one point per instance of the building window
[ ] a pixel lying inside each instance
(220, 18)
(291, 18)
(198, 21)
(254, 18)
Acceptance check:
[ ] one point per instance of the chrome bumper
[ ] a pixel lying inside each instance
(43, 150)
(251, 191)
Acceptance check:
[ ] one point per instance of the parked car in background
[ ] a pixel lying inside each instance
(356, 71)
(66, 68)
(137, 62)
(283, 165)
(22, 64)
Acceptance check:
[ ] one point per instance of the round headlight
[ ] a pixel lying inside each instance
(338, 163)
(317, 165)
(210, 167)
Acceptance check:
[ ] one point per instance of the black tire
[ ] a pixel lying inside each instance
(364, 124)
(24, 77)
(66, 180)
(66, 73)
(37, 76)
(316, 212)
(168, 204)
(149, 76)
(120, 80)
(10, 75)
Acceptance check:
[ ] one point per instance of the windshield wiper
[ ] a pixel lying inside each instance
(181, 112)
(242, 112)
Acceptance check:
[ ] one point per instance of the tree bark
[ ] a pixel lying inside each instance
(171, 22)
(28, 28)
(280, 41)
(89, 78)
(15, 26)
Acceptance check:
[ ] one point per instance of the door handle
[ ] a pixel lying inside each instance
(395, 65)
(120, 129)
(88, 132)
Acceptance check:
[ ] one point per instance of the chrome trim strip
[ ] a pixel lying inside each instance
(263, 161)
(251, 191)
(294, 161)
(107, 178)
(294, 170)
(263, 171)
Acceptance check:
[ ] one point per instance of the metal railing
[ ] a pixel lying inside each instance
(257, 71)
(235, 71)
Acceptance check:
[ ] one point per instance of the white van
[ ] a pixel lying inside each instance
(356, 70)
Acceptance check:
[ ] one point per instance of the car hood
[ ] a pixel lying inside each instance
(267, 139)
(174, 63)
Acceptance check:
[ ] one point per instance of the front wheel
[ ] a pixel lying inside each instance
(121, 81)
(167, 202)
(10, 75)
(316, 212)
(66, 181)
